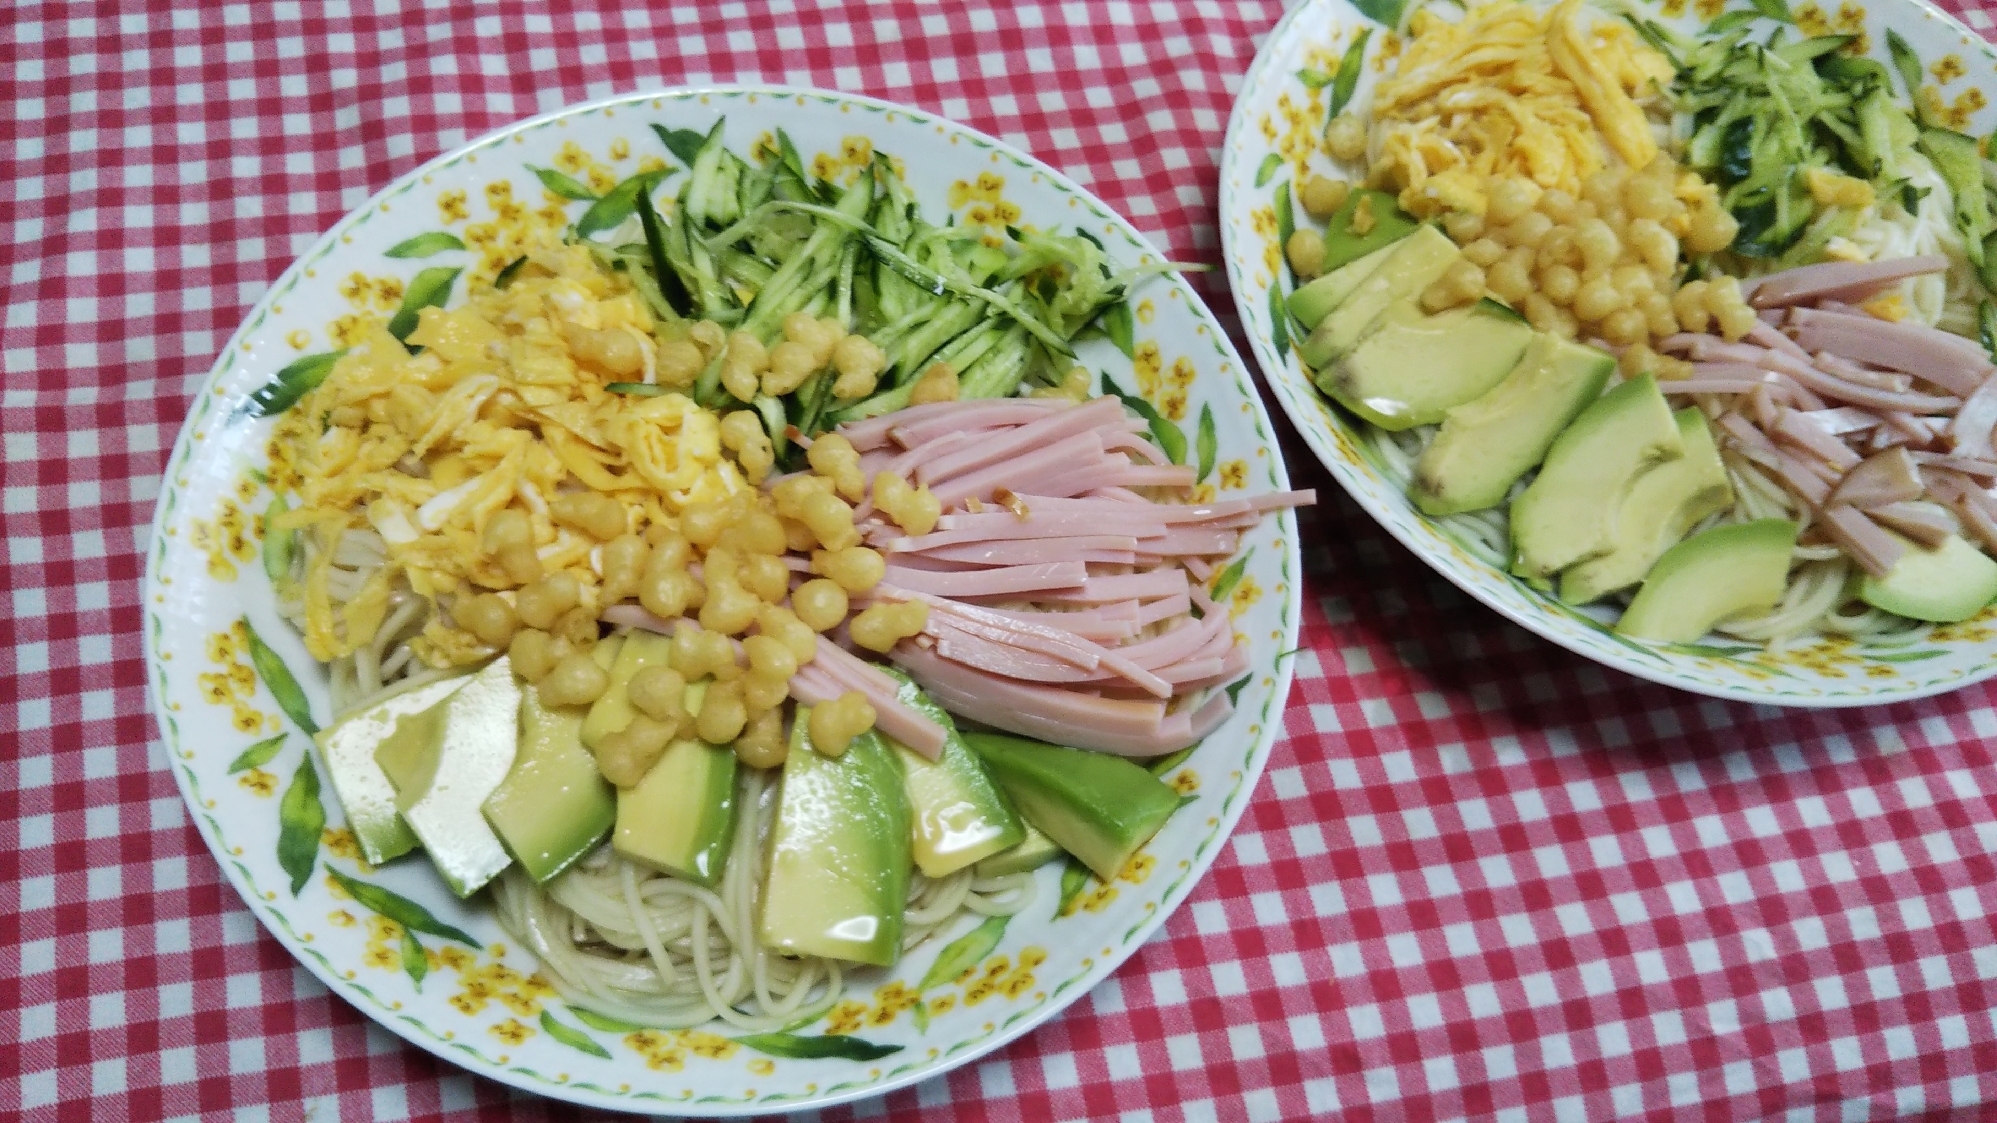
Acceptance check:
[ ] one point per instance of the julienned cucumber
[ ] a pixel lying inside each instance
(749, 243)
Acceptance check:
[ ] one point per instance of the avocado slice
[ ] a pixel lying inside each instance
(554, 806)
(1098, 807)
(1946, 585)
(457, 755)
(1310, 304)
(1568, 513)
(1412, 265)
(1485, 445)
(365, 791)
(960, 815)
(1664, 504)
(1390, 224)
(839, 853)
(1415, 367)
(612, 710)
(1033, 851)
(681, 817)
(1726, 571)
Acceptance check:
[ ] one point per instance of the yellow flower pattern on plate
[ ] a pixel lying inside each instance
(235, 685)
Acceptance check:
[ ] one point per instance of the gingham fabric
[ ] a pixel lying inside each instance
(1481, 878)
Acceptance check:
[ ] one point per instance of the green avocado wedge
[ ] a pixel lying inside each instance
(960, 815)
(1664, 504)
(1033, 851)
(681, 817)
(1569, 512)
(1098, 807)
(1486, 445)
(1945, 585)
(365, 791)
(554, 806)
(1415, 367)
(1410, 266)
(461, 752)
(840, 861)
(1727, 571)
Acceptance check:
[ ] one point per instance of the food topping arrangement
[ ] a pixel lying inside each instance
(1677, 322)
(655, 578)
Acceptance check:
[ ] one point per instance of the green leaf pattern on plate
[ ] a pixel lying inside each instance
(430, 289)
(1206, 444)
(562, 185)
(277, 679)
(301, 818)
(426, 245)
(396, 907)
(257, 755)
(792, 1045)
(572, 1037)
(298, 378)
(415, 963)
(964, 952)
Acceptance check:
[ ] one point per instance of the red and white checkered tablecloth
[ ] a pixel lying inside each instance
(1482, 877)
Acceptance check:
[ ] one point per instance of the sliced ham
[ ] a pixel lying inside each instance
(1925, 523)
(1796, 428)
(1969, 430)
(1872, 548)
(1879, 480)
(1950, 362)
(1839, 280)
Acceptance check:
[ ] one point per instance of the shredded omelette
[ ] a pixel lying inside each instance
(1510, 90)
(500, 407)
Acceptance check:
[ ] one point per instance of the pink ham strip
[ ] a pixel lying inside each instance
(966, 646)
(1066, 457)
(891, 717)
(1199, 568)
(1797, 428)
(969, 623)
(936, 418)
(1047, 638)
(1135, 445)
(1122, 586)
(1862, 376)
(1165, 608)
(1273, 500)
(1984, 469)
(1765, 335)
(1064, 717)
(1007, 581)
(1169, 475)
(1190, 541)
(1137, 507)
(1872, 548)
(1042, 513)
(1942, 359)
(1918, 521)
(1015, 443)
(965, 418)
(1969, 430)
(1022, 552)
(1836, 279)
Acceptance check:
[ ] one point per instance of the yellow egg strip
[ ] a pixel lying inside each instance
(1509, 90)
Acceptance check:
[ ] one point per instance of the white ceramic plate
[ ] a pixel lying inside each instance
(240, 758)
(1274, 132)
